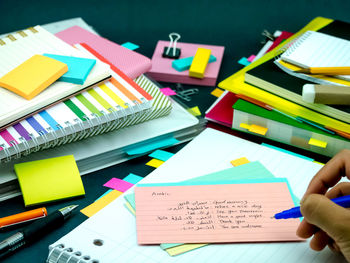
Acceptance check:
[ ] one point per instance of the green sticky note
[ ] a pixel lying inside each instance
(49, 180)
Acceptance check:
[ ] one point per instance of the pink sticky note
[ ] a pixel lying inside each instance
(118, 184)
(251, 58)
(168, 91)
(214, 213)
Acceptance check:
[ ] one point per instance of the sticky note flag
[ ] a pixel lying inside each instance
(130, 208)
(244, 61)
(167, 91)
(49, 180)
(183, 64)
(174, 251)
(257, 129)
(233, 213)
(155, 163)
(132, 178)
(161, 155)
(217, 92)
(130, 45)
(251, 58)
(244, 126)
(78, 68)
(239, 161)
(100, 203)
(317, 143)
(199, 63)
(118, 184)
(195, 111)
(33, 76)
(107, 192)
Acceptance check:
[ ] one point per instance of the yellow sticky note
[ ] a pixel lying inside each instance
(199, 63)
(49, 180)
(217, 92)
(317, 143)
(244, 126)
(318, 162)
(100, 203)
(174, 251)
(155, 163)
(239, 161)
(257, 129)
(33, 76)
(195, 111)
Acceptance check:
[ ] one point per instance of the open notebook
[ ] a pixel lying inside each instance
(209, 152)
(19, 47)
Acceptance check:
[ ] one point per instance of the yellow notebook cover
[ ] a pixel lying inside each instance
(49, 180)
(33, 76)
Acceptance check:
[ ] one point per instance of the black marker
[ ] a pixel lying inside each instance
(35, 230)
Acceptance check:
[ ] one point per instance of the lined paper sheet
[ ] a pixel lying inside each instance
(213, 213)
(209, 152)
(315, 49)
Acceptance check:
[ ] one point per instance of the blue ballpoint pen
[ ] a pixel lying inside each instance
(294, 212)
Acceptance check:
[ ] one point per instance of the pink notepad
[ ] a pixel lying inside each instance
(130, 62)
(163, 71)
(214, 213)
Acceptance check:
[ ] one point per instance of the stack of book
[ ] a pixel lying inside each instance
(267, 101)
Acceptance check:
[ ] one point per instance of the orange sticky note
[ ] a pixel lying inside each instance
(217, 92)
(100, 203)
(33, 76)
(239, 161)
(214, 213)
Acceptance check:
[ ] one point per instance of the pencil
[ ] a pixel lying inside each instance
(325, 70)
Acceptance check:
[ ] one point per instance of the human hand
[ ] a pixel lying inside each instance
(328, 223)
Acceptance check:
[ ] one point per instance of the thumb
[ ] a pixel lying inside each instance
(328, 216)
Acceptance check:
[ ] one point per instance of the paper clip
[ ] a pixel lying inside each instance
(171, 51)
(267, 36)
(185, 93)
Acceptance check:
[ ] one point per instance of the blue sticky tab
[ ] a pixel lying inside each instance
(244, 61)
(183, 64)
(78, 68)
(145, 147)
(132, 178)
(286, 151)
(161, 155)
(130, 46)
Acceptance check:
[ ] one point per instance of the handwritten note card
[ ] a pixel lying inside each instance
(213, 213)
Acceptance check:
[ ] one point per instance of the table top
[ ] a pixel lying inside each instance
(237, 25)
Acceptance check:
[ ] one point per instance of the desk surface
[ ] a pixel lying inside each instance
(237, 25)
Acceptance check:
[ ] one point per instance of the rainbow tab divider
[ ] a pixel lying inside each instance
(199, 63)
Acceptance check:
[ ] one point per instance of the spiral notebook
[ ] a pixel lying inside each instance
(112, 105)
(17, 48)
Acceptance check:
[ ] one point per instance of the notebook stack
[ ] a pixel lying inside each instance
(267, 94)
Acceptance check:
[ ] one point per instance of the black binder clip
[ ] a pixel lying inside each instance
(171, 51)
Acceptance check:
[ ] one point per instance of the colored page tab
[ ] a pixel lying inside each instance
(317, 143)
(33, 76)
(194, 111)
(145, 147)
(49, 180)
(161, 155)
(199, 63)
(257, 129)
(244, 61)
(217, 92)
(118, 184)
(214, 213)
(167, 91)
(132, 178)
(239, 161)
(78, 68)
(251, 58)
(183, 64)
(100, 203)
(130, 45)
(155, 163)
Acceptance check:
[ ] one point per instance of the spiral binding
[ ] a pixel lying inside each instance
(61, 254)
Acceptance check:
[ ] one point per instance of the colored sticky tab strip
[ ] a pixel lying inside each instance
(244, 126)
(130, 45)
(167, 91)
(286, 151)
(130, 208)
(183, 64)
(107, 192)
(78, 68)
(144, 147)
(318, 162)
(251, 58)
(217, 92)
(100, 203)
(118, 184)
(174, 251)
(161, 155)
(33, 76)
(244, 61)
(155, 163)
(239, 161)
(257, 129)
(133, 178)
(199, 63)
(195, 111)
(317, 143)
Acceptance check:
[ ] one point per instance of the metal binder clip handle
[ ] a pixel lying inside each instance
(171, 51)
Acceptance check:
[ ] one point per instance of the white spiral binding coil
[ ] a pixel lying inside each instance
(60, 254)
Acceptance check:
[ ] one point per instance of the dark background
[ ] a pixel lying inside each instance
(237, 25)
